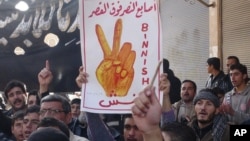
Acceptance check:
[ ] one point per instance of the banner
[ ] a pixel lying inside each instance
(121, 48)
(23, 50)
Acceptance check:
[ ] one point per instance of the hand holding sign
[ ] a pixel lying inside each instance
(115, 72)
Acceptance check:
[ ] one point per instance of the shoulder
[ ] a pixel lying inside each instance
(221, 75)
(76, 138)
(176, 104)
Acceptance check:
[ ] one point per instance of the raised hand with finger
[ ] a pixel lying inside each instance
(45, 77)
(115, 72)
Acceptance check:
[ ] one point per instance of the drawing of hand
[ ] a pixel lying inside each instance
(115, 72)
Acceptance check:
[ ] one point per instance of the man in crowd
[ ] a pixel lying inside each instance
(217, 76)
(32, 98)
(58, 107)
(130, 130)
(17, 126)
(209, 124)
(236, 102)
(30, 120)
(231, 60)
(15, 94)
(184, 109)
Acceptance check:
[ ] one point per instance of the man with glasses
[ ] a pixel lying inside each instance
(58, 107)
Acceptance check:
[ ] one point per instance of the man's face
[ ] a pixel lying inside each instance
(209, 68)
(205, 111)
(230, 62)
(30, 123)
(237, 78)
(187, 92)
(75, 110)
(16, 98)
(17, 130)
(31, 100)
(130, 131)
(54, 109)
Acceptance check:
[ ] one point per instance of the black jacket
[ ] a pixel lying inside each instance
(221, 81)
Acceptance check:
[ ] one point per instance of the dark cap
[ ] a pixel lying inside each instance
(48, 134)
(207, 94)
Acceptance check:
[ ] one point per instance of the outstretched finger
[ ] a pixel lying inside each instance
(47, 66)
(124, 52)
(129, 63)
(137, 111)
(80, 69)
(117, 38)
(103, 41)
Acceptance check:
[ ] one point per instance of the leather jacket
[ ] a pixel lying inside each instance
(221, 81)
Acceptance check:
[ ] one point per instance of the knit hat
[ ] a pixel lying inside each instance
(207, 94)
(75, 101)
(48, 134)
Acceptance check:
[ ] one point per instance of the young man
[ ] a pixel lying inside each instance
(30, 120)
(209, 123)
(236, 102)
(75, 107)
(231, 60)
(32, 98)
(17, 126)
(15, 94)
(216, 76)
(75, 125)
(130, 130)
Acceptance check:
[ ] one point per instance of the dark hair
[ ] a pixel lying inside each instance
(235, 58)
(75, 101)
(32, 109)
(190, 81)
(14, 83)
(18, 115)
(57, 98)
(218, 90)
(52, 122)
(178, 131)
(48, 134)
(242, 68)
(215, 62)
(126, 116)
(33, 92)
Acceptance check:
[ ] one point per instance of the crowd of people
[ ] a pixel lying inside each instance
(205, 115)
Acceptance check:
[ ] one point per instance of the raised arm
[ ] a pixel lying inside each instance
(147, 113)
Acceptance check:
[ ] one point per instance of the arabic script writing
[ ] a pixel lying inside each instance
(116, 9)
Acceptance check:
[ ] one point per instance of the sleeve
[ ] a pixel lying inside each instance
(167, 117)
(97, 128)
(5, 124)
(42, 96)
